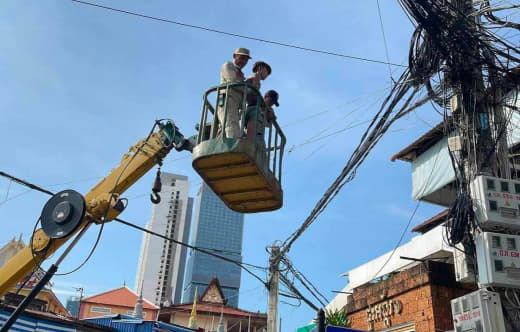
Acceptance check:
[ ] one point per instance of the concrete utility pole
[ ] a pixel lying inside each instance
(274, 276)
(320, 326)
(477, 113)
(80, 290)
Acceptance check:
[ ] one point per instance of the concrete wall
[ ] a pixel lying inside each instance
(159, 272)
(85, 311)
(423, 293)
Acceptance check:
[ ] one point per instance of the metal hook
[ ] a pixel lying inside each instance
(156, 189)
(155, 198)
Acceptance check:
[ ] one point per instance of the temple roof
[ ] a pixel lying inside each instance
(214, 308)
(212, 301)
(213, 293)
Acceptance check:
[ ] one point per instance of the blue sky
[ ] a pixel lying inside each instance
(82, 84)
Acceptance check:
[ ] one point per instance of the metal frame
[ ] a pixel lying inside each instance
(274, 138)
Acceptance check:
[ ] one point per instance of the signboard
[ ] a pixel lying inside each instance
(331, 328)
(384, 312)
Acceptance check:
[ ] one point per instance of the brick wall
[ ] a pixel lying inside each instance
(423, 293)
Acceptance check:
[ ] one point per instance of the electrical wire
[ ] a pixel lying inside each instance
(376, 129)
(207, 252)
(292, 288)
(313, 290)
(235, 34)
(384, 40)
(26, 184)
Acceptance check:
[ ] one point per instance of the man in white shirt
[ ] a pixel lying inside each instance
(231, 72)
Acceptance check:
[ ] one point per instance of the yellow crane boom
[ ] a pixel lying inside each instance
(102, 202)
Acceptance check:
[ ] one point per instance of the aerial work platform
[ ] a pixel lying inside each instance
(244, 172)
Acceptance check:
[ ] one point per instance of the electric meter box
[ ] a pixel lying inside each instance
(498, 259)
(478, 311)
(464, 265)
(496, 202)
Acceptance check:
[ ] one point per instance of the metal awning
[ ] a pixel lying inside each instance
(433, 175)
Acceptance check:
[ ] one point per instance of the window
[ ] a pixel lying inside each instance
(517, 188)
(511, 244)
(493, 205)
(491, 184)
(465, 304)
(478, 326)
(499, 265)
(101, 309)
(504, 186)
(495, 242)
(456, 308)
(474, 301)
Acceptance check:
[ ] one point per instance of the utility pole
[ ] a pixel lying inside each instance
(320, 327)
(80, 290)
(479, 113)
(274, 279)
(480, 118)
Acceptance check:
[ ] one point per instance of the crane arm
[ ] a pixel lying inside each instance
(102, 202)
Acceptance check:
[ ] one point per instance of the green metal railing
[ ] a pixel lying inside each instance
(273, 140)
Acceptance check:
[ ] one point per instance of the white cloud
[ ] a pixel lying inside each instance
(65, 292)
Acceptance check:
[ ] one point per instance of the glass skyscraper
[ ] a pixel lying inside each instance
(219, 229)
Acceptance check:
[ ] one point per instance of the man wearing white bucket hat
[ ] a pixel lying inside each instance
(231, 72)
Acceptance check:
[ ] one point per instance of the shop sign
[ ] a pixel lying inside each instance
(383, 311)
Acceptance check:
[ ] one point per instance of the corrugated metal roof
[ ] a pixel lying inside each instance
(125, 323)
(24, 323)
(422, 143)
(168, 327)
(43, 321)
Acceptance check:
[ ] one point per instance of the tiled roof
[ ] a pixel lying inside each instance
(207, 307)
(122, 296)
(431, 223)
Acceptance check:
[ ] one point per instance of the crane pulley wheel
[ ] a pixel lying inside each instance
(63, 213)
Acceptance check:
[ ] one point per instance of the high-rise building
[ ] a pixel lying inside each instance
(161, 264)
(72, 305)
(219, 229)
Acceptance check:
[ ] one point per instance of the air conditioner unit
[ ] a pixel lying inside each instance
(496, 202)
(464, 265)
(478, 311)
(498, 259)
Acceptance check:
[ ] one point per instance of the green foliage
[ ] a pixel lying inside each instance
(337, 317)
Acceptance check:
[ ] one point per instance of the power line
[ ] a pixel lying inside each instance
(292, 288)
(379, 125)
(26, 184)
(240, 264)
(322, 299)
(40, 189)
(187, 25)
(384, 39)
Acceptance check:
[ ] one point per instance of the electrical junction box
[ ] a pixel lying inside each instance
(496, 202)
(498, 259)
(455, 143)
(464, 265)
(480, 311)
